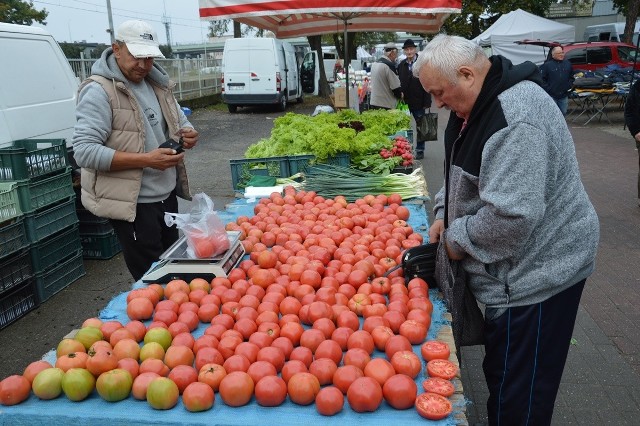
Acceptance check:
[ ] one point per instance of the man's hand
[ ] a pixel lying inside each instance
(163, 158)
(637, 137)
(189, 137)
(435, 231)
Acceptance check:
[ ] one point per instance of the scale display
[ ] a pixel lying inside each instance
(175, 263)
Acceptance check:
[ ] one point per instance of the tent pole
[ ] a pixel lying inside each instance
(346, 61)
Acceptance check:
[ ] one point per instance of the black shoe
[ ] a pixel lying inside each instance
(419, 155)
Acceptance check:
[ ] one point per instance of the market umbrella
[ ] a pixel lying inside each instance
(296, 18)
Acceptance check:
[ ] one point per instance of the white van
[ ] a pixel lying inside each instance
(37, 86)
(609, 32)
(260, 71)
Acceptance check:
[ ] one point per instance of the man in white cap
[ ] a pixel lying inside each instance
(126, 110)
(385, 84)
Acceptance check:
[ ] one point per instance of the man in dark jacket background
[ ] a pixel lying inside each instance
(557, 78)
(415, 96)
(632, 120)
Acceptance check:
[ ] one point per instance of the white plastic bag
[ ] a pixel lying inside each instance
(322, 108)
(205, 233)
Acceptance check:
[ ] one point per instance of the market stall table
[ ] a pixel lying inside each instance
(96, 411)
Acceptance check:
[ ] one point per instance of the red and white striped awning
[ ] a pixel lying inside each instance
(295, 18)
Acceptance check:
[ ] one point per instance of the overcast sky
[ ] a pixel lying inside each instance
(78, 20)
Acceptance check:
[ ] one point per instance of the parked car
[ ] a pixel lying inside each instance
(591, 56)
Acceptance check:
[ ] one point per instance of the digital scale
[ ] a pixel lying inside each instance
(175, 263)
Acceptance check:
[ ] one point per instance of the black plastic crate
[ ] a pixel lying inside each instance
(13, 237)
(44, 223)
(91, 224)
(55, 249)
(103, 246)
(39, 194)
(33, 158)
(17, 303)
(14, 270)
(59, 277)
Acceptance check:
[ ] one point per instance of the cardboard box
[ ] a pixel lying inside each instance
(340, 97)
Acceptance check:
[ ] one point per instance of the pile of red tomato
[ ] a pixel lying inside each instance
(309, 315)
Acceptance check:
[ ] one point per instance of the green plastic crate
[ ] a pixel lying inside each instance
(47, 222)
(13, 237)
(34, 195)
(301, 163)
(243, 170)
(9, 202)
(59, 277)
(33, 158)
(18, 303)
(14, 270)
(100, 246)
(55, 249)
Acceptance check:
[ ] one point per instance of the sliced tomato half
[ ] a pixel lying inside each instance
(440, 386)
(433, 406)
(442, 368)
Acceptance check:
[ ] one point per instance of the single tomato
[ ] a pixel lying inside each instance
(435, 349)
(400, 391)
(197, 397)
(329, 401)
(270, 391)
(364, 395)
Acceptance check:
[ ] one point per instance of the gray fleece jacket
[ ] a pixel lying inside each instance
(516, 207)
(94, 125)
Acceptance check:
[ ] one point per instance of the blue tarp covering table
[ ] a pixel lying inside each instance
(95, 411)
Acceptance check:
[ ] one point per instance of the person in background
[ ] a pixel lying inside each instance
(126, 110)
(632, 120)
(519, 220)
(557, 78)
(385, 84)
(418, 99)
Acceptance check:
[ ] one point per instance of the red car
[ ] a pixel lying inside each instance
(593, 55)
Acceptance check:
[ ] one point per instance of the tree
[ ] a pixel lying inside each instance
(166, 50)
(21, 12)
(220, 28)
(478, 15)
(630, 9)
(71, 50)
(315, 42)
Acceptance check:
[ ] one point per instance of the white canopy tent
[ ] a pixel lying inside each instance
(520, 25)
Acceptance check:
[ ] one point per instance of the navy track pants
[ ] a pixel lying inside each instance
(526, 350)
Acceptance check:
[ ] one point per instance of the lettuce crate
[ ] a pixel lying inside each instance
(103, 246)
(59, 277)
(17, 303)
(301, 163)
(44, 223)
(13, 237)
(9, 202)
(55, 249)
(37, 194)
(243, 170)
(33, 158)
(14, 270)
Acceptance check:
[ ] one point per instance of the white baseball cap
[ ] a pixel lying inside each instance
(140, 38)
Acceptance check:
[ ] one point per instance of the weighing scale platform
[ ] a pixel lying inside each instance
(175, 262)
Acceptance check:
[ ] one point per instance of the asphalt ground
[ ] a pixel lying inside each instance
(601, 383)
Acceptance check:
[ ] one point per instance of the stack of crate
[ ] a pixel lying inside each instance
(40, 171)
(17, 283)
(96, 234)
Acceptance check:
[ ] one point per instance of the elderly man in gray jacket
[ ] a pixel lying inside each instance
(514, 213)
